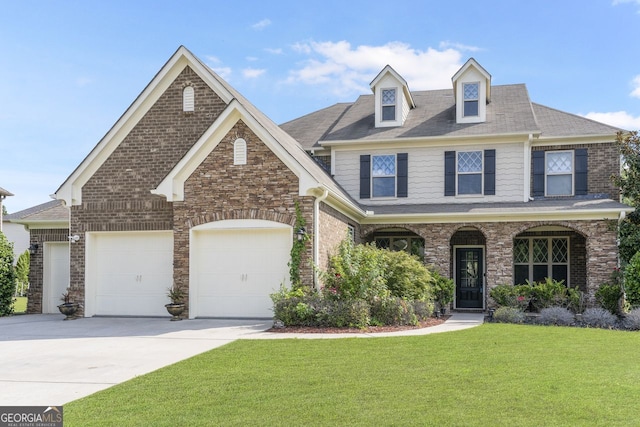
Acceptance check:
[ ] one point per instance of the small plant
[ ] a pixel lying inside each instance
(632, 281)
(66, 297)
(508, 315)
(392, 311)
(559, 316)
(597, 317)
(443, 289)
(632, 320)
(517, 296)
(406, 276)
(608, 296)
(176, 295)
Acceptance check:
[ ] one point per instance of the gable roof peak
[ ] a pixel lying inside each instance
(388, 69)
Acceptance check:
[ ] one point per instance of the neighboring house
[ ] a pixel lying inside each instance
(195, 186)
(47, 238)
(3, 195)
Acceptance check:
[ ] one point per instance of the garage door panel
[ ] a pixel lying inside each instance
(132, 273)
(235, 271)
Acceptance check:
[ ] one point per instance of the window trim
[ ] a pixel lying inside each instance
(394, 105)
(465, 100)
(550, 264)
(395, 177)
(480, 172)
(547, 174)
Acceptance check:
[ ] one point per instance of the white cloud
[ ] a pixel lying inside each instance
(458, 46)
(274, 51)
(251, 58)
(347, 70)
(252, 73)
(216, 65)
(636, 87)
(620, 119)
(259, 26)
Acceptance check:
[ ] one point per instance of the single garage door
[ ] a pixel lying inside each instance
(235, 269)
(129, 273)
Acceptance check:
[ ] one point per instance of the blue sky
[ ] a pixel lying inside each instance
(69, 69)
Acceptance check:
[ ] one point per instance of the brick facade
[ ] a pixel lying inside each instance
(594, 252)
(36, 269)
(333, 229)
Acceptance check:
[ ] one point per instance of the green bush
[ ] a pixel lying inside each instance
(553, 293)
(631, 320)
(597, 317)
(22, 273)
(443, 289)
(422, 309)
(559, 316)
(406, 277)
(517, 296)
(343, 314)
(7, 277)
(632, 281)
(608, 296)
(507, 314)
(392, 311)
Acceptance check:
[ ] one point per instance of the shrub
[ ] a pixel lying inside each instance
(392, 311)
(553, 293)
(632, 281)
(7, 277)
(422, 309)
(443, 289)
(517, 296)
(22, 273)
(342, 314)
(508, 315)
(599, 318)
(559, 316)
(632, 320)
(406, 277)
(608, 296)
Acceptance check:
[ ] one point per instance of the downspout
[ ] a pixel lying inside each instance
(527, 169)
(316, 234)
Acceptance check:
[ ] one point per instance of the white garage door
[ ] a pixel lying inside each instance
(234, 270)
(129, 273)
(56, 275)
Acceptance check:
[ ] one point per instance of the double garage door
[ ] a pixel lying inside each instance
(234, 266)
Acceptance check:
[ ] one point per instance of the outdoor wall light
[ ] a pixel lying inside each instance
(301, 233)
(33, 248)
(74, 238)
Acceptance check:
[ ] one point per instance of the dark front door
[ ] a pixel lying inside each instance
(469, 277)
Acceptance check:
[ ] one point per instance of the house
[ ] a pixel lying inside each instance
(194, 186)
(44, 231)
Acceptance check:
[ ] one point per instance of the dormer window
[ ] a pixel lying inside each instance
(388, 104)
(471, 97)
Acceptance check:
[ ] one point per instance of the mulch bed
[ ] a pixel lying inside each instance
(371, 329)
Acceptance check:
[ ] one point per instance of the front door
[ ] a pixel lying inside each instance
(469, 277)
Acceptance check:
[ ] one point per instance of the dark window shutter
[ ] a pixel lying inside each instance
(449, 173)
(403, 175)
(538, 173)
(582, 166)
(489, 172)
(365, 176)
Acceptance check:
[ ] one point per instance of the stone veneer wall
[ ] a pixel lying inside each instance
(117, 197)
(603, 160)
(36, 270)
(264, 188)
(333, 228)
(600, 247)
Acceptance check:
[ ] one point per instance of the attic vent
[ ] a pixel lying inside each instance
(240, 152)
(188, 99)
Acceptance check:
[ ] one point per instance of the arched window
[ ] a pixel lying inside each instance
(188, 99)
(240, 152)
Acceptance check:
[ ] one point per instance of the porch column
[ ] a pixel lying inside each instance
(602, 255)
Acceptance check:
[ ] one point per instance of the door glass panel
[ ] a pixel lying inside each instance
(469, 270)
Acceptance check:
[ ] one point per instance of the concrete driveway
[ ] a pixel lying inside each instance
(47, 361)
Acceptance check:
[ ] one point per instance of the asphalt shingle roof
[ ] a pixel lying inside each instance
(54, 210)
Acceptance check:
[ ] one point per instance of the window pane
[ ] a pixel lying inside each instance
(540, 272)
(470, 108)
(384, 187)
(559, 251)
(389, 112)
(470, 184)
(521, 251)
(383, 165)
(470, 91)
(388, 96)
(559, 185)
(401, 244)
(540, 251)
(417, 247)
(559, 162)
(521, 274)
(469, 161)
(559, 272)
(383, 242)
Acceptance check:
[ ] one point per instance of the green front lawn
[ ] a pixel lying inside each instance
(20, 305)
(496, 374)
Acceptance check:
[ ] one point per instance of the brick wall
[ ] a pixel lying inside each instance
(264, 188)
(36, 270)
(117, 197)
(333, 228)
(593, 248)
(603, 161)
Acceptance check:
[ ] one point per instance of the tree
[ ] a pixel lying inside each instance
(22, 273)
(4, 210)
(629, 183)
(7, 276)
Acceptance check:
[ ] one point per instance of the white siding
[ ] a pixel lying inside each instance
(426, 174)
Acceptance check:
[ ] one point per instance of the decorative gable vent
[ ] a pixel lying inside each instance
(240, 152)
(188, 99)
